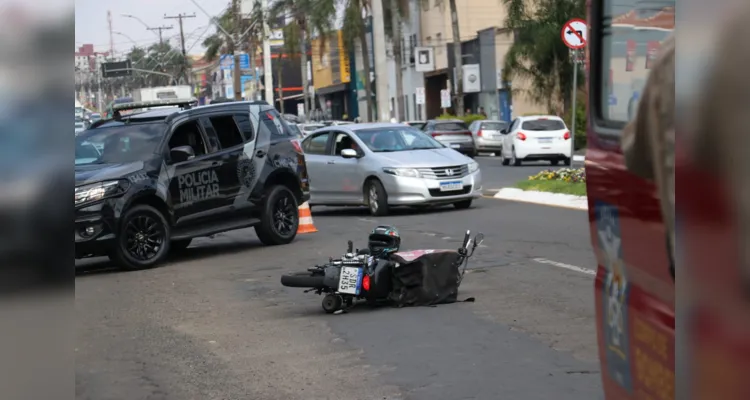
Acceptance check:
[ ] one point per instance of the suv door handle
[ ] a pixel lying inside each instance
(260, 153)
(215, 163)
(331, 162)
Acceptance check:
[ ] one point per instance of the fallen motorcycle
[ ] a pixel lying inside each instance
(412, 278)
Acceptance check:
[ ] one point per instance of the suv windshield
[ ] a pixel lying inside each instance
(543, 125)
(450, 126)
(396, 139)
(119, 144)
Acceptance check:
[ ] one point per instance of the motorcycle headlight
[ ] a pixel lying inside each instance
(407, 172)
(98, 191)
(473, 167)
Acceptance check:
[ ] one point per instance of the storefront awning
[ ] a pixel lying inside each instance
(332, 89)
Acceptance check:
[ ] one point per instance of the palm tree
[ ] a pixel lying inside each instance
(354, 26)
(304, 18)
(537, 54)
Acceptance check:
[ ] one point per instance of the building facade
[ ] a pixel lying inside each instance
(332, 74)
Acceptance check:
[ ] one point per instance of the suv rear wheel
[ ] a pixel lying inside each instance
(279, 217)
(142, 240)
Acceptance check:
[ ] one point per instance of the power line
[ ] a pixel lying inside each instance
(160, 29)
(180, 17)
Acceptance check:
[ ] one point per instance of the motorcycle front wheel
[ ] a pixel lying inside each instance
(303, 280)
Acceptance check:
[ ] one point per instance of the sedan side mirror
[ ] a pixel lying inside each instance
(349, 153)
(181, 153)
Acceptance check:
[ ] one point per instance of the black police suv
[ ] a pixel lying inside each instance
(149, 182)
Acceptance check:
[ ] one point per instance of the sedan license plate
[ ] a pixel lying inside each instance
(545, 140)
(350, 280)
(455, 146)
(450, 186)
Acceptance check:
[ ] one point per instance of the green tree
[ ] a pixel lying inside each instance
(538, 55)
(304, 19)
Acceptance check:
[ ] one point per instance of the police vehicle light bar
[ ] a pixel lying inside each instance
(154, 103)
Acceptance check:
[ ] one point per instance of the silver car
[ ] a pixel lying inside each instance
(80, 127)
(310, 128)
(381, 165)
(487, 135)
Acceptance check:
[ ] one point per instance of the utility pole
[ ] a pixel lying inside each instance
(267, 68)
(237, 73)
(180, 17)
(160, 29)
(381, 65)
(457, 61)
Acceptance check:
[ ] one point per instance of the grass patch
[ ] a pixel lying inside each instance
(578, 189)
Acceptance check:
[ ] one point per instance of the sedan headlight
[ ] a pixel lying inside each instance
(98, 191)
(473, 167)
(407, 172)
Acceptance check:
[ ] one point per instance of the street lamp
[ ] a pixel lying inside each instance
(141, 21)
(126, 37)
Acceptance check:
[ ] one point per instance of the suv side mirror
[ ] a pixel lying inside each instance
(181, 153)
(349, 153)
(503, 131)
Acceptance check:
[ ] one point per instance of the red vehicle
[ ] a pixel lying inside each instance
(634, 287)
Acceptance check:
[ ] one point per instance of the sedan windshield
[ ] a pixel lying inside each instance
(119, 144)
(405, 138)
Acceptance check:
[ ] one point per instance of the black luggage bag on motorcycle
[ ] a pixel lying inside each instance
(425, 277)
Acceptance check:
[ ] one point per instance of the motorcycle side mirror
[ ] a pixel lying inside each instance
(478, 239)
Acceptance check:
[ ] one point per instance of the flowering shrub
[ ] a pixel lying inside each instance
(572, 175)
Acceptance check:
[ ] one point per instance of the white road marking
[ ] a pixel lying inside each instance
(566, 266)
(446, 238)
(430, 233)
(366, 220)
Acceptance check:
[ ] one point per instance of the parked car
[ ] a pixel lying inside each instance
(487, 136)
(382, 165)
(80, 127)
(416, 124)
(168, 175)
(310, 128)
(95, 117)
(294, 128)
(452, 133)
(535, 138)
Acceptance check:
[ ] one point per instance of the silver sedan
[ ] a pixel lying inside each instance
(381, 165)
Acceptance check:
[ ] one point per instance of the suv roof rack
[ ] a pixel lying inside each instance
(183, 103)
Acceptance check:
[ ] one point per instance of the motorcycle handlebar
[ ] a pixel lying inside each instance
(466, 239)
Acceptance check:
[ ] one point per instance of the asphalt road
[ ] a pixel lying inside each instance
(496, 176)
(216, 324)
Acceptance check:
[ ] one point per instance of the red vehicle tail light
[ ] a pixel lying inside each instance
(520, 136)
(297, 147)
(566, 136)
(366, 283)
(479, 133)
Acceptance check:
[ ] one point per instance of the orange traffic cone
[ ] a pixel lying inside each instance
(305, 220)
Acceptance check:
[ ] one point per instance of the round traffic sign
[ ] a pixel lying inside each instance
(574, 33)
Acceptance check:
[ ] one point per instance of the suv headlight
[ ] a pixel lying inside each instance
(473, 167)
(407, 172)
(98, 191)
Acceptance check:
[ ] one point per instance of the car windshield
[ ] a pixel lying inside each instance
(79, 110)
(120, 144)
(450, 126)
(494, 126)
(381, 140)
(543, 125)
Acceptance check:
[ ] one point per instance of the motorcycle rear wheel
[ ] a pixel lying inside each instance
(303, 280)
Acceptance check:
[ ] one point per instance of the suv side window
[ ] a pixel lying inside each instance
(316, 144)
(246, 127)
(226, 131)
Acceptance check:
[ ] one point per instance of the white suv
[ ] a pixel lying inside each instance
(535, 138)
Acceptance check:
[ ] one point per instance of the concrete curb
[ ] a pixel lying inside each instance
(544, 198)
(579, 158)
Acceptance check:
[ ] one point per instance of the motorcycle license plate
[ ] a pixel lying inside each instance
(350, 280)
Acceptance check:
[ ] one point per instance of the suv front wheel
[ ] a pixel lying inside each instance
(279, 217)
(142, 240)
